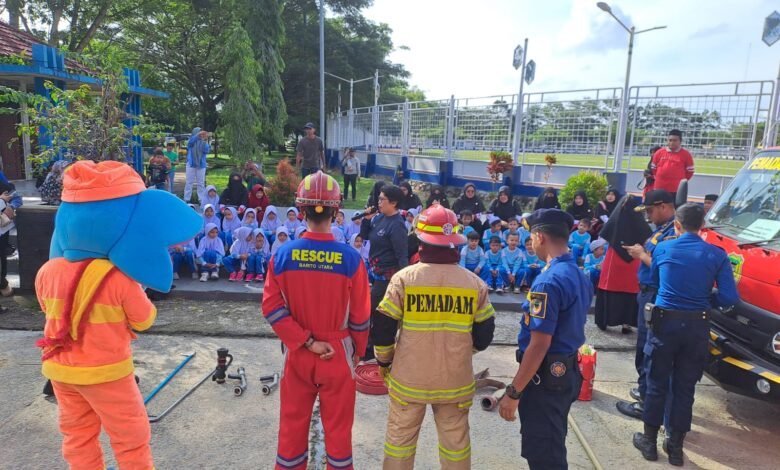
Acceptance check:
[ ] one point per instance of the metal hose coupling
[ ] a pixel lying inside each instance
(239, 389)
(270, 382)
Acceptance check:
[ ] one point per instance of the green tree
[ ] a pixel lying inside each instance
(240, 118)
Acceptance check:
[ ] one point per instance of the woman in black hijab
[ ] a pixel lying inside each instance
(235, 194)
(548, 200)
(503, 206)
(607, 206)
(410, 200)
(580, 207)
(468, 200)
(373, 198)
(437, 194)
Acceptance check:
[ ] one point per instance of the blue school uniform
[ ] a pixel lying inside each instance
(530, 271)
(579, 244)
(210, 251)
(493, 262)
(240, 247)
(490, 234)
(513, 262)
(472, 259)
(187, 256)
(592, 268)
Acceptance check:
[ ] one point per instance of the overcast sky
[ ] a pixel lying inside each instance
(464, 47)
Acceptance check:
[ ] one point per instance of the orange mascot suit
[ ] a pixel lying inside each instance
(109, 239)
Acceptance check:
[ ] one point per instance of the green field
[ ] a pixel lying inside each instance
(704, 166)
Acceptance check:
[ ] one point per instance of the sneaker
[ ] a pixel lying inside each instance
(204, 277)
(6, 291)
(491, 289)
(232, 277)
(517, 290)
(506, 288)
(194, 276)
(239, 276)
(175, 276)
(500, 291)
(215, 275)
(249, 278)
(259, 278)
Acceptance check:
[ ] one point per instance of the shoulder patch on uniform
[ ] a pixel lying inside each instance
(537, 304)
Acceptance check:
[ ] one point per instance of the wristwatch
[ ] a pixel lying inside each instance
(307, 344)
(512, 392)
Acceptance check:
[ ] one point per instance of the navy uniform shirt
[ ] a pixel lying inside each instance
(686, 270)
(662, 233)
(558, 304)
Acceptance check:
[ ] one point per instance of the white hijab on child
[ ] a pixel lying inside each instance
(214, 201)
(244, 223)
(207, 243)
(266, 246)
(240, 245)
(270, 225)
(278, 243)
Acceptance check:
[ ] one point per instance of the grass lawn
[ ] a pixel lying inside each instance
(704, 166)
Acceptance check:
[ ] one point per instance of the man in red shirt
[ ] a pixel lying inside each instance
(317, 301)
(672, 164)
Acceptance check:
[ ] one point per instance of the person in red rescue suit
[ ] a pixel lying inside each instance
(444, 315)
(107, 241)
(316, 298)
(671, 164)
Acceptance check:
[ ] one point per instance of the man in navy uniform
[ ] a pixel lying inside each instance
(659, 205)
(685, 270)
(551, 331)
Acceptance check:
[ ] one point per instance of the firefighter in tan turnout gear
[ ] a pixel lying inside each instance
(441, 315)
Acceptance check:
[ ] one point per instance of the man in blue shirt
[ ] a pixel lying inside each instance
(678, 338)
(551, 331)
(659, 205)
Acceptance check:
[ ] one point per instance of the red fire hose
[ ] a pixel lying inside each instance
(369, 380)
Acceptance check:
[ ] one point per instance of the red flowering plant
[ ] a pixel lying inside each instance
(500, 163)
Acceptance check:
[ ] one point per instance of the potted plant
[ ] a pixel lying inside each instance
(499, 164)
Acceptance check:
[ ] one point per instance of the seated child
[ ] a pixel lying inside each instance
(469, 223)
(281, 238)
(183, 253)
(210, 252)
(513, 262)
(351, 227)
(338, 224)
(270, 223)
(472, 256)
(494, 231)
(593, 261)
(491, 272)
(579, 240)
(211, 197)
(250, 219)
(230, 223)
(356, 242)
(410, 215)
(292, 221)
(533, 265)
(236, 262)
(514, 228)
(299, 231)
(258, 260)
(208, 218)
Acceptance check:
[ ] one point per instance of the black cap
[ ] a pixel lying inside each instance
(711, 197)
(549, 217)
(654, 198)
(309, 125)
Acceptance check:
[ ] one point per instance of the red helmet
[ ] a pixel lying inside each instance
(439, 226)
(318, 190)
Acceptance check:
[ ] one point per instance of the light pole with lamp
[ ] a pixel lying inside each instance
(623, 124)
(351, 82)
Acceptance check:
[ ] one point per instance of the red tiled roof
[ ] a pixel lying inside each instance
(16, 42)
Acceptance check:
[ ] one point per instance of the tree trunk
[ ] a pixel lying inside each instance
(13, 12)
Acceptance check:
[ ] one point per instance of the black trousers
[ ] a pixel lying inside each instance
(4, 238)
(378, 289)
(350, 180)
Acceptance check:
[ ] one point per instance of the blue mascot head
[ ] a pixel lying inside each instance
(107, 212)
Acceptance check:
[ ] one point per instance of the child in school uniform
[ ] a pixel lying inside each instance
(282, 237)
(351, 227)
(258, 260)
(470, 223)
(230, 223)
(270, 223)
(533, 265)
(493, 231)
(491, 272)
(208, 218)
(250, 219)
(292, 221)
(513, 261)
(211, 197)
(210, 252)
(410, 215)
(183, 253)
(594, 260)
(579, 240)
(236, 262)
(299, 231)
(472, 256)
(524, 233)
(338, 223)
(513, 225)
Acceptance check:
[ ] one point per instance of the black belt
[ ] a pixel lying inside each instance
(568, 360)
(645, 288)
(683, 314)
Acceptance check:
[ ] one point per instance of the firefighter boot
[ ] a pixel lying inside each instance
(647, 442)
(673, 446)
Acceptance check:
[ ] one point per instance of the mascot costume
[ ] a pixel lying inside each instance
(109, 241)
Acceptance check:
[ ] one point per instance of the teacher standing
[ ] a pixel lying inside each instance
(386, 230)
(310, 152)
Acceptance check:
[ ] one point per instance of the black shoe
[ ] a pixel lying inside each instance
(633, 410)
(673, 446)
(626, 330)
(647, 442)
(634, 393)
(48, 390)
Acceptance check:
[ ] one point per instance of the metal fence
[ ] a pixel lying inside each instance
(723, 125)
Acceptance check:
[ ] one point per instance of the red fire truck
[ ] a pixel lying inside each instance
(745, 221)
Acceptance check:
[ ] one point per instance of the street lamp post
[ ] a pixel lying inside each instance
(322, 67)
(351, 82)
(623, 123)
